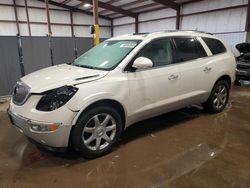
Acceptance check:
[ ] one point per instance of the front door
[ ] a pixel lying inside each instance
(155, 90)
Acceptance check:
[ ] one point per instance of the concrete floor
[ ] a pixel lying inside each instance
(186, 148)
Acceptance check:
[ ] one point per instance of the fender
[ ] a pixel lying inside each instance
(88, 101)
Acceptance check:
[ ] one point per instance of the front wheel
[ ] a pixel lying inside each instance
(218, 98)
(97, 132)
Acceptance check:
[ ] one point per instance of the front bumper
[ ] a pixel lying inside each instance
(50, 139)
(243, 74)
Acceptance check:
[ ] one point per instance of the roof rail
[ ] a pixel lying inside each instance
(200, 31)
(141, 33)
(151, 33)
(197, 31)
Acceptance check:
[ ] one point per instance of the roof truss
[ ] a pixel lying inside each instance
(72, 8)
(111, 11)
(169, 4)
(113, 8)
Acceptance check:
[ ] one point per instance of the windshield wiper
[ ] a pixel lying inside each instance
(69, 63)
(85, 66)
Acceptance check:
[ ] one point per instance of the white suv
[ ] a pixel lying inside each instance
(125, 79)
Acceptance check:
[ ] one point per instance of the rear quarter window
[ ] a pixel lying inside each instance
(188, 48)
(215, 46)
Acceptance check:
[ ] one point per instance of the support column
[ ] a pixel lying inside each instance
(136, 24)
(247, 28)
(20, 55)
(96, 23)
(73, 33)
(112, 28)
(48, 18)
(27, 15)
(178, 18)
(16, 17)
(72, 24)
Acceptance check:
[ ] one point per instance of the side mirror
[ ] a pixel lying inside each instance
(142, 63)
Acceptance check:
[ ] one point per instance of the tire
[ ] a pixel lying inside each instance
(218, 99)
(97, 132)
(237, 82)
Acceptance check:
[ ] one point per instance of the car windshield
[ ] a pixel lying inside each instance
(106, 55)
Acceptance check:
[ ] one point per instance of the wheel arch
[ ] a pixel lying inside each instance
(225, 77)
(207, 105)
(104, 102)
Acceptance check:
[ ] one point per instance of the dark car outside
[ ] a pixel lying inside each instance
(243, 62)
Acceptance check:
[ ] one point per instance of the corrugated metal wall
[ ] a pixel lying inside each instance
(36, 55)
(9, 64)
(63, 50)
(57, 15)
(232, 38)
(229, 24)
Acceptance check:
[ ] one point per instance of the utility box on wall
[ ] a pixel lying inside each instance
(248, 37)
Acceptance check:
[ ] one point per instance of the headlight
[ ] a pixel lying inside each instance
(44, 127)
(56, 98)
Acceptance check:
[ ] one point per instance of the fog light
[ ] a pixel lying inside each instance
(44, 127)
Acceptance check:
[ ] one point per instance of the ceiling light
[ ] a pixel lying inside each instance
(87, 5)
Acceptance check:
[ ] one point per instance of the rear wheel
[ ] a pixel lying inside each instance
(218, 98)
(237, 82)
(97, 132)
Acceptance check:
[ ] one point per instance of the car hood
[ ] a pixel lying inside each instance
(243, 48)
(60, 75)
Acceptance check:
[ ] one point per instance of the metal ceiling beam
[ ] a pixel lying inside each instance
(108, 2)
(65, 2)
(160, 8)
(169, 4)
(193, 1)
(143, 11)
(150, 10)
(73, 9)
(113, 8)
(80, 4)
(175, 6)
(136, 8)
(126, 5)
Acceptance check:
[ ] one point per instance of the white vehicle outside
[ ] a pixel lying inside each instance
(125, 79)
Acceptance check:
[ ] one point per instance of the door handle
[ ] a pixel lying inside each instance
(173, 77)
(207, 69)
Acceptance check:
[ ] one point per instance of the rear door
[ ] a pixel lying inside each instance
(194, 69)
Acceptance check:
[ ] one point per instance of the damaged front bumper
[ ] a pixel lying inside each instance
(56, 139)
(243, 71)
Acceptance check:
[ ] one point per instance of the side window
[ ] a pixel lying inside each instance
(159, 52)
(188, 49)
(215, 46)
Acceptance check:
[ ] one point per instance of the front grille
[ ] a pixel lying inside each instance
(21, 93)
(243, 67)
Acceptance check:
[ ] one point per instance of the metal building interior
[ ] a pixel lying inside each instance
(183, 148)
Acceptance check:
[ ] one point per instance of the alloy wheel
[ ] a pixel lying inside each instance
(99, 132)
(220, 97)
